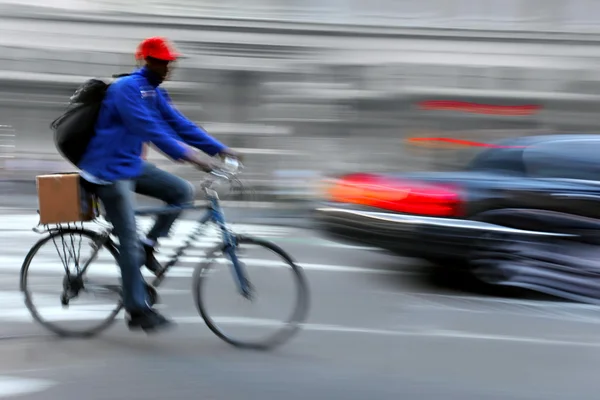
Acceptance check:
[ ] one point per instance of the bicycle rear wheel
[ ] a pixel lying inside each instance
(291, 273)
(66, 246)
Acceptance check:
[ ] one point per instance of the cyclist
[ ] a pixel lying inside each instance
(136, 112)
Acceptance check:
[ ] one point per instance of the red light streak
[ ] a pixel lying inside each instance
(475, 108)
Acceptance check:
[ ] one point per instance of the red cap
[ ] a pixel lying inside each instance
(156, 47)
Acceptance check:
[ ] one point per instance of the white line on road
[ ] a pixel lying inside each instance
(426, 333)
(206, 242)
(19, 226)
(27, 222)
(56, 314)
(539, 309)
(105, 269)
(13, 386)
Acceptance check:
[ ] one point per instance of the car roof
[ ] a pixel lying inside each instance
(538, 145)
(541, 139)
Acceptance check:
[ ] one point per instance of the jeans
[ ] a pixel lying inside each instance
(119, 203)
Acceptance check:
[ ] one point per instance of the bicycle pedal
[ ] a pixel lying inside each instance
(153, 297)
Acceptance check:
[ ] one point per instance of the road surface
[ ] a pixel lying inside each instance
(376, 331)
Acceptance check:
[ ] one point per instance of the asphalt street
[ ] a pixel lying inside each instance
(376, 330)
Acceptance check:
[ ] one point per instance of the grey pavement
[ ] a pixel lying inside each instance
(376, 330)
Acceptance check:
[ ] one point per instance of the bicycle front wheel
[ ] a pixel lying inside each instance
(55, 285)
(284, 278)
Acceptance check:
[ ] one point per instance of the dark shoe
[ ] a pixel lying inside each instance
(148, 321)
(150, 261)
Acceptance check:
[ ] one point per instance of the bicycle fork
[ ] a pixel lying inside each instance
(230, 241)
(239, 271)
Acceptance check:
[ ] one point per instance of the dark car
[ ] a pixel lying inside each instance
(524, 213)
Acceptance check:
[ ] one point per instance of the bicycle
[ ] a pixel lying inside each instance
(229, 246)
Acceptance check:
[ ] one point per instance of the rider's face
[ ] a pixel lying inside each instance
(160, 67)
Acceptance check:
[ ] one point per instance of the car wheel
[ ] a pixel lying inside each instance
(452, 273)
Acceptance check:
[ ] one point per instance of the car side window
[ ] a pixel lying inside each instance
(508, 160)
(565, 159)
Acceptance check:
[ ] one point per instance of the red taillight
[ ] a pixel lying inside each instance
(400, 196)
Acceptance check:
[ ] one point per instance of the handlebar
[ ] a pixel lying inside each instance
(229, 170)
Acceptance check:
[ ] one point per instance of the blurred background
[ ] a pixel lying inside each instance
(309, 89)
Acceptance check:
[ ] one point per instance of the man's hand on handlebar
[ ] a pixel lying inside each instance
(193, 158)
(230, 153)
(205, 167)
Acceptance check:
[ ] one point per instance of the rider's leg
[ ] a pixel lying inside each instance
(119, 205)
(162, 185)
(171, 189)
(118, 200)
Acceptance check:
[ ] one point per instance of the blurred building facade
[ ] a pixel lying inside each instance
(505, 15)
(328, 87)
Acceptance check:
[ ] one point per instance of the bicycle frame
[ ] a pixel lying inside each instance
(214, 214)
(229, 241)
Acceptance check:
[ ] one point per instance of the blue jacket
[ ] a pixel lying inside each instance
(135, 112)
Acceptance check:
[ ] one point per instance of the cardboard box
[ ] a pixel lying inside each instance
(62, 199)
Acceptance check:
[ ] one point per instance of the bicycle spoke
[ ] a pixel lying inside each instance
(264, 337)
(71, 305)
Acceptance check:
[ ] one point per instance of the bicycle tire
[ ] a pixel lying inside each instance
(292, 325)
(29, 302)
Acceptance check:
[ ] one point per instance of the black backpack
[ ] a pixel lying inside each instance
(74, 129)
